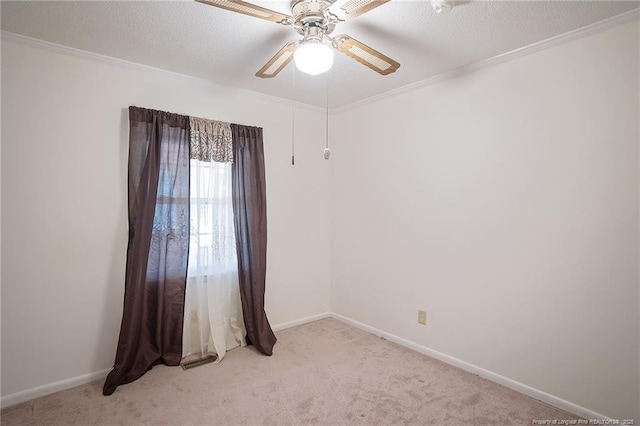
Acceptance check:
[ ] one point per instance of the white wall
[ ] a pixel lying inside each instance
(64, 217)
(505, 203)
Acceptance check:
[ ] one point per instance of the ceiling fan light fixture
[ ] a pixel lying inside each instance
(313, 57)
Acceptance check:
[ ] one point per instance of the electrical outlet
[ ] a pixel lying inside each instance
(422, 317)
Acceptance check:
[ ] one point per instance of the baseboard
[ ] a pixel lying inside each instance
(37, 392)
(301, 321)
(29, 394)
(489, 375)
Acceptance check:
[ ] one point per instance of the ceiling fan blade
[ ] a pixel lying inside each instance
(251, 10)
(365, 55)
(279, 61)
(345, 10)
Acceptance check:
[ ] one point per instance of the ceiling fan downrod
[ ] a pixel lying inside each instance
(311, 17)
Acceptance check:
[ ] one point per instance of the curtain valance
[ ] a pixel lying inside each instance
(211, 140)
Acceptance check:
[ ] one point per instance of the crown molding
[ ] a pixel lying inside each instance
(614, 21)
(122, 63)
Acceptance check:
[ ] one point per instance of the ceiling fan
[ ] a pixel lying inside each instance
(315, 20)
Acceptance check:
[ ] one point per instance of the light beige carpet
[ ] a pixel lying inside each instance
(323, 373)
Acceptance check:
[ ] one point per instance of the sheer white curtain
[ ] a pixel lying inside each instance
(213, 321)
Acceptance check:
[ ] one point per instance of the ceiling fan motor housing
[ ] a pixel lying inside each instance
(310, 20)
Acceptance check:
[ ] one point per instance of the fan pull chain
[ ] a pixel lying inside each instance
(327, 151)
(293, 118)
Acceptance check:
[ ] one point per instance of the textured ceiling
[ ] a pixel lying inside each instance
(228, 48)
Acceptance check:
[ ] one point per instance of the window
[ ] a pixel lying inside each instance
(212, 234)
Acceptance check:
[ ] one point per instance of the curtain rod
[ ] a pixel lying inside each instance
(194, 116)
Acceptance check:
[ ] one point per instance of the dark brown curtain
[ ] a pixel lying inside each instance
(151, 330)
(250, 218)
